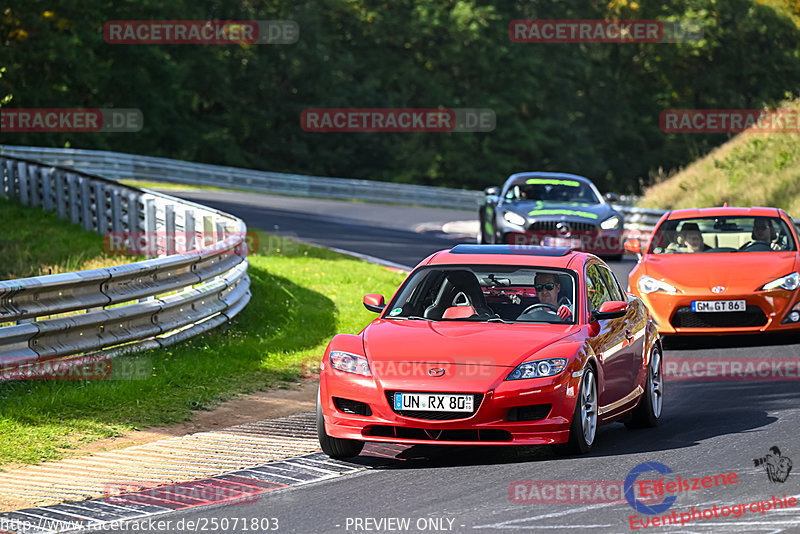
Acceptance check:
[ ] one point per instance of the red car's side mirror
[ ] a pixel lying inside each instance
(612, 309)
(374, 302)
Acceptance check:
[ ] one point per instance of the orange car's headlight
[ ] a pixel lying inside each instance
(648, 284)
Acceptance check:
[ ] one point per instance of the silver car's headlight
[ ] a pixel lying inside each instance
(790, 282)
(538, 369)
(349, 363)
(514, 218)
(610, 223)
(648, 284)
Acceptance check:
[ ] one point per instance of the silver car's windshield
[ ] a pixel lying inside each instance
(553, 190)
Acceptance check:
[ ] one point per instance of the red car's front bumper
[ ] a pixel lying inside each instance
(489, 425)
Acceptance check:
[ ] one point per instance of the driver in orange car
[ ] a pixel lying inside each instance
(547, 287)
(763, 231)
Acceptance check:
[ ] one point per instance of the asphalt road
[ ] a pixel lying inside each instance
(383, 231)
(708, 428)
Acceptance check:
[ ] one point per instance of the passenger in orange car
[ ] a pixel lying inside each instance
(693, 237)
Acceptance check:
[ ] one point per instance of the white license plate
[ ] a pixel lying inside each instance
(433, 402)
(561, 242)
(718, 306)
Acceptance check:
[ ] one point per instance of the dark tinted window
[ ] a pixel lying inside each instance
(611, 283)
(596, 287)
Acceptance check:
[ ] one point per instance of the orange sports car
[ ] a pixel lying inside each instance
(720, 270)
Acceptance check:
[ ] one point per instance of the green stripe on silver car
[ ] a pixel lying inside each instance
(573, 213)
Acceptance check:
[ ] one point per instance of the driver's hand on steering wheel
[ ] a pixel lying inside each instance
(564, 313)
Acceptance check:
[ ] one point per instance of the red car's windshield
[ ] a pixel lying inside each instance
(487, 293)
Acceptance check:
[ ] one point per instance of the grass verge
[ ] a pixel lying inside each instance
(752, 169)
(34, 242)
(302, 296)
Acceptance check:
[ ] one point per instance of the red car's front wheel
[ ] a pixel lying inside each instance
(583, 429)
(335, 447)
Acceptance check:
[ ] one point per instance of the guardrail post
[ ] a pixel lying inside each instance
(169, 228)
(150, 227)
(116, 210)
(11, 179)
(208, 231)
(133, 213)
(47, 187)
(34, 192)
(3, 177)
(59, 181)
(86, 203)
(100, 211)
(72, 198)
(190, 229)
(24, 195)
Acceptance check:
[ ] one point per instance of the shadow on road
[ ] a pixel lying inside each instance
(694, 412)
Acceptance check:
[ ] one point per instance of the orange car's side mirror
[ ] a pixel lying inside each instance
(633, 245)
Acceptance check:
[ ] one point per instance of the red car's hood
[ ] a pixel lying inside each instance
(460, 343)
(736, 271)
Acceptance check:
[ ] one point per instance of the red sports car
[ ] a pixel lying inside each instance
(495, 345)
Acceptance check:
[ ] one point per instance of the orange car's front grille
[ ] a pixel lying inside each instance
(684, 317)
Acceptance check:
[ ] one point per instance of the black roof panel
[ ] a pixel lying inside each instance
(527, 250)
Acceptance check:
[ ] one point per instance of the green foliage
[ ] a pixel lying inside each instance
(586, 108)
(752, 169)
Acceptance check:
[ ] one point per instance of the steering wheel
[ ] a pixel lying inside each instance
(532, 307)
(754, 244)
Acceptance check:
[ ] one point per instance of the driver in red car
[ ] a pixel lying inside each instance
(547, 288)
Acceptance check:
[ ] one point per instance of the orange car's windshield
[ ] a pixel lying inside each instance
(722, 234)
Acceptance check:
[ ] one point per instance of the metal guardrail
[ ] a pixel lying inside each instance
(120, 166)
(142, 305)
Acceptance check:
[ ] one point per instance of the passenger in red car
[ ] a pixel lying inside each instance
(547, 288)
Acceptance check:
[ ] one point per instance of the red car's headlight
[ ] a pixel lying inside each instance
(538, 369)
(349, 363)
